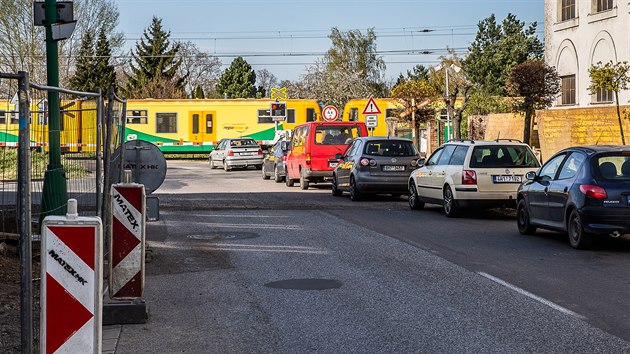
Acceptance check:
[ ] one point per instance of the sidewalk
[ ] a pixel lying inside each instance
(110, 338)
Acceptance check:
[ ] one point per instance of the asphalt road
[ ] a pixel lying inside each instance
(246, 265)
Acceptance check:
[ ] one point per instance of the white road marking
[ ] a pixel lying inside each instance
(531, 296)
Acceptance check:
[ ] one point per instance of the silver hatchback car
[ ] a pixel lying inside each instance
(236, 152)
(375, 165)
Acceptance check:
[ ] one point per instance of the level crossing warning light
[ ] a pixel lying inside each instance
(278, 109)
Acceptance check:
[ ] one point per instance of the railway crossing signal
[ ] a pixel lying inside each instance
(278, 110)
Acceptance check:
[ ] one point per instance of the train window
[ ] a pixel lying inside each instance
(195, 124)
(310, 114)
(3, 117)
(14, 117)
(137, 116)
(291, 116)
(209, 123)
(264, 116)
(354, 115)
(166, 122)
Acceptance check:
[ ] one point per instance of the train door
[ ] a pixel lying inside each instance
(201, 125)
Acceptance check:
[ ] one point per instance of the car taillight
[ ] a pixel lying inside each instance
(593, 191)
(469, 177)
(308, 159)
(260, 152)
(230, 153)
(364, 162)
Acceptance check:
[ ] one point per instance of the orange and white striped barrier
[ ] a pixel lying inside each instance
(72, 283)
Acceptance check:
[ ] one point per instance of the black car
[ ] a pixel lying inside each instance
(584, 191)
(274, 164)
(375, 165)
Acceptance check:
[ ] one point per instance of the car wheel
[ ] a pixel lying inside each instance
(288, 181)
(225, 166)
(212, 166)
(354, 191)
(450, 204)
(259, 167)
(303, 181)
(335, 190)
(264, 173)
(522, 219)
(578, 237)
(276, 175)
(414, 200)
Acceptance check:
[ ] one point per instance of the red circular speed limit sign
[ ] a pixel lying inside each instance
(330, 113)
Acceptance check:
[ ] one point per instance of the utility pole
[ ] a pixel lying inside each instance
(54, 192)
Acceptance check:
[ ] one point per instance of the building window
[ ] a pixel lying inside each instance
(604, 5)
(567, 10)
(137, 116)
(264, 116)
(166, 122)
(568, 89)
(603, 95)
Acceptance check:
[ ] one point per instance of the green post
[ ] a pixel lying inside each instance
(54, 193)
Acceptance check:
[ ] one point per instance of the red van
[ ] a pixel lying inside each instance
(313, 149)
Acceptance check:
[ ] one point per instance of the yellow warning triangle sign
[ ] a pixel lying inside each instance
(371, 107)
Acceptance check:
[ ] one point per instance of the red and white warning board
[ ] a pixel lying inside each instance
(371, 107)
(72, 284)
(126, 276)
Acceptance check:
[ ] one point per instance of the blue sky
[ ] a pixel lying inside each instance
(285, 36)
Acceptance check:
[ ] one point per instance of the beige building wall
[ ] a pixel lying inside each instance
(562, 128)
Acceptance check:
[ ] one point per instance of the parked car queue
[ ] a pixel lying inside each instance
(582, 191)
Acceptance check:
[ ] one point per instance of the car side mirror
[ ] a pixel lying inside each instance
(530, 176)
(339, 156)
(421, 162)
(284, 145)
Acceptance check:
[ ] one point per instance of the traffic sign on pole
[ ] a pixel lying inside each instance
(72, 283)
(371, 107)
(371, 121)
(330, 113)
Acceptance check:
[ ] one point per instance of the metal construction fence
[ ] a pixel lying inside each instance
(90, 142)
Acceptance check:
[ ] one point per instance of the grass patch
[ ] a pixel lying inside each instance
(39, 161)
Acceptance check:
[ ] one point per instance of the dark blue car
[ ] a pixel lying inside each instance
(584, 191)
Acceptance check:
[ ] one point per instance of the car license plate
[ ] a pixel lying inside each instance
(247, 153)
(393, 168)
(506, 179)
(332, 164)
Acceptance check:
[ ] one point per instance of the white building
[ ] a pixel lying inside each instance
(580, 33)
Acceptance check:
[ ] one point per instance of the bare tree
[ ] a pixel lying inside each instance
(22, 45)
(200, 69)
(265, 80)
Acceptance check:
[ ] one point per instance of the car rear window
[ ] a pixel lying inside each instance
(501, 156)
(390, 148)
(614, 167)
(336, 134)
(243, 143)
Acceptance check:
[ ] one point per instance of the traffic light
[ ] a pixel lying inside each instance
(278, 109)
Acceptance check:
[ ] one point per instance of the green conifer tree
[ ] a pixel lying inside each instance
(154, 62)
(105, 75)
(238, 81)
(83, 79)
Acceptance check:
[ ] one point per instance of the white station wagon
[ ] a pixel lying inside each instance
(466, 173)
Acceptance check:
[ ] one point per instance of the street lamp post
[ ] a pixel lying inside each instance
(439, 67)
